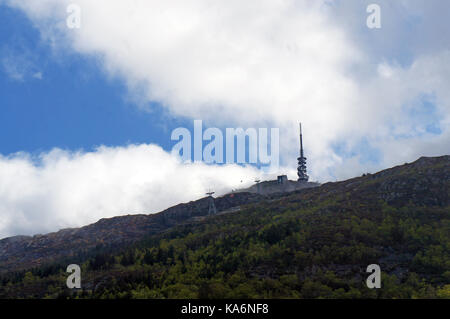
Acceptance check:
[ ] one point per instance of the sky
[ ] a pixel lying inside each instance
(86, 114)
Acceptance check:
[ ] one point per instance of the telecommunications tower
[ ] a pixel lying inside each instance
(301, 169)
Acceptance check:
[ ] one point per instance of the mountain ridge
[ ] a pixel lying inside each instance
(23, 252)
(310, 243)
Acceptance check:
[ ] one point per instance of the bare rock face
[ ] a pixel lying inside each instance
(424, 182)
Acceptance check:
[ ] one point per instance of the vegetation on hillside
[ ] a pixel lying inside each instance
(270, 252)
(310, 244)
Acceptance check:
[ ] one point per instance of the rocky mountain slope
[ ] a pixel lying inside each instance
(21, 252)
(423, 186)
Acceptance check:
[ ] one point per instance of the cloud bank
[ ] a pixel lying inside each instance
(268, 63)
(62, 189)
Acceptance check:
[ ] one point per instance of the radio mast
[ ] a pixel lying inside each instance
(301, 169)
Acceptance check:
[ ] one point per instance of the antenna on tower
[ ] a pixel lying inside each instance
(301, 140)
(301, 169)
(212, 207)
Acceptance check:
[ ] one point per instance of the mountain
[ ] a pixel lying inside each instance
(308, 243)
(21, 252)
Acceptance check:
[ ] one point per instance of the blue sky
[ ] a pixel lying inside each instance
(86, 115)
(74, 106)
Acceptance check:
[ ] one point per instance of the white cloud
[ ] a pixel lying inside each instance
(257, 63)
(64, 189)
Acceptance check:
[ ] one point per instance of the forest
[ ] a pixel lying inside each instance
(320, 251)
(313, 243)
